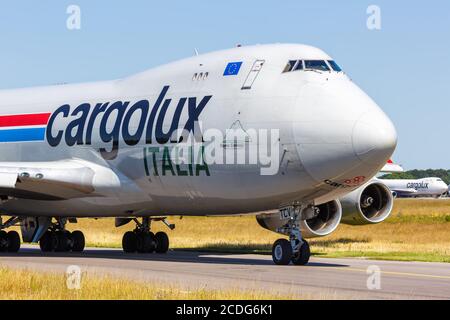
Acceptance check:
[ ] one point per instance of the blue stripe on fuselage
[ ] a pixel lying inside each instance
(22, 135)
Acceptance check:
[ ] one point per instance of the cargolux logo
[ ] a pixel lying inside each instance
(417, 185)
(123, 120)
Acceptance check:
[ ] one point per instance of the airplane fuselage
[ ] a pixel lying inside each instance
(332, 138)
(417, 187)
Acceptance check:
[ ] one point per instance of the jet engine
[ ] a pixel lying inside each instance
(326, 219)
(370, 204)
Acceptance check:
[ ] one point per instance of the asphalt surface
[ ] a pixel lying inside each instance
(321, 278)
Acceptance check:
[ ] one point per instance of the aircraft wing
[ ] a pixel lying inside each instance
(57, 180)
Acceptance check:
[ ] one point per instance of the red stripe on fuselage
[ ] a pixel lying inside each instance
(24, 120)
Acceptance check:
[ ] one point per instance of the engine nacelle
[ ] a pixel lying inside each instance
(327, 218)
(370, 204)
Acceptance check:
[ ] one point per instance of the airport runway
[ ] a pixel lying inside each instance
(322, 278)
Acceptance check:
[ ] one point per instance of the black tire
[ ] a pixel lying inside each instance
(282, 252)
(152, 247)
(62, 241)
(78, 241)
(302, 258)
(13, 241)
(162, 242)
(3, 241)
(46, 242)
(145, 242)
(129, 242)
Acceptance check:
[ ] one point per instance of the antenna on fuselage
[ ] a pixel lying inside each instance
(196, 51)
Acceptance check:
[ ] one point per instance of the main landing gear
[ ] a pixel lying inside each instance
(142, 240)
(296, 249)
(58, 239)
(9, 241)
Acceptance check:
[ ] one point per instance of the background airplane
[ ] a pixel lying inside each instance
(426, 187)
(431, 187)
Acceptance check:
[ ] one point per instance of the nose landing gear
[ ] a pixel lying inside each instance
(142, 240)
(296, 249)
(283, 252)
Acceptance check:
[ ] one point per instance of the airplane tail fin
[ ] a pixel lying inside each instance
(391, 167)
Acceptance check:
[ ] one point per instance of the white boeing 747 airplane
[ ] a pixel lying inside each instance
(305, 140)
(426, 187)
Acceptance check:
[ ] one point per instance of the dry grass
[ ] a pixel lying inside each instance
(30, 285)
(417, 230)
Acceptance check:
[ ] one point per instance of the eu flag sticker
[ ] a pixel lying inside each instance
(232, 69)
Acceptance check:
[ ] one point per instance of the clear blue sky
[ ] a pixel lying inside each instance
(405, 66)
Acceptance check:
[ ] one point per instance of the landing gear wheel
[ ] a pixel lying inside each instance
(47, 242)
(78, 241)
(13, 241)
(142, 240)
(302, 257)
(3, 241)
(62, 241)
(145, 242)
(162, 242)
(129, 242)
(152, 246)
(282, 252)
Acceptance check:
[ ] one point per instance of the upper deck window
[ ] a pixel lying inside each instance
(320, 65)
(334, 66)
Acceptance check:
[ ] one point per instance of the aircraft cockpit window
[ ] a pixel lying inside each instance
(299, 66)
(334, 66)
(290, 66)
(319, 65)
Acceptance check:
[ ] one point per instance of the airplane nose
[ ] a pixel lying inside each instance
(340, 132)
(374, 138)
